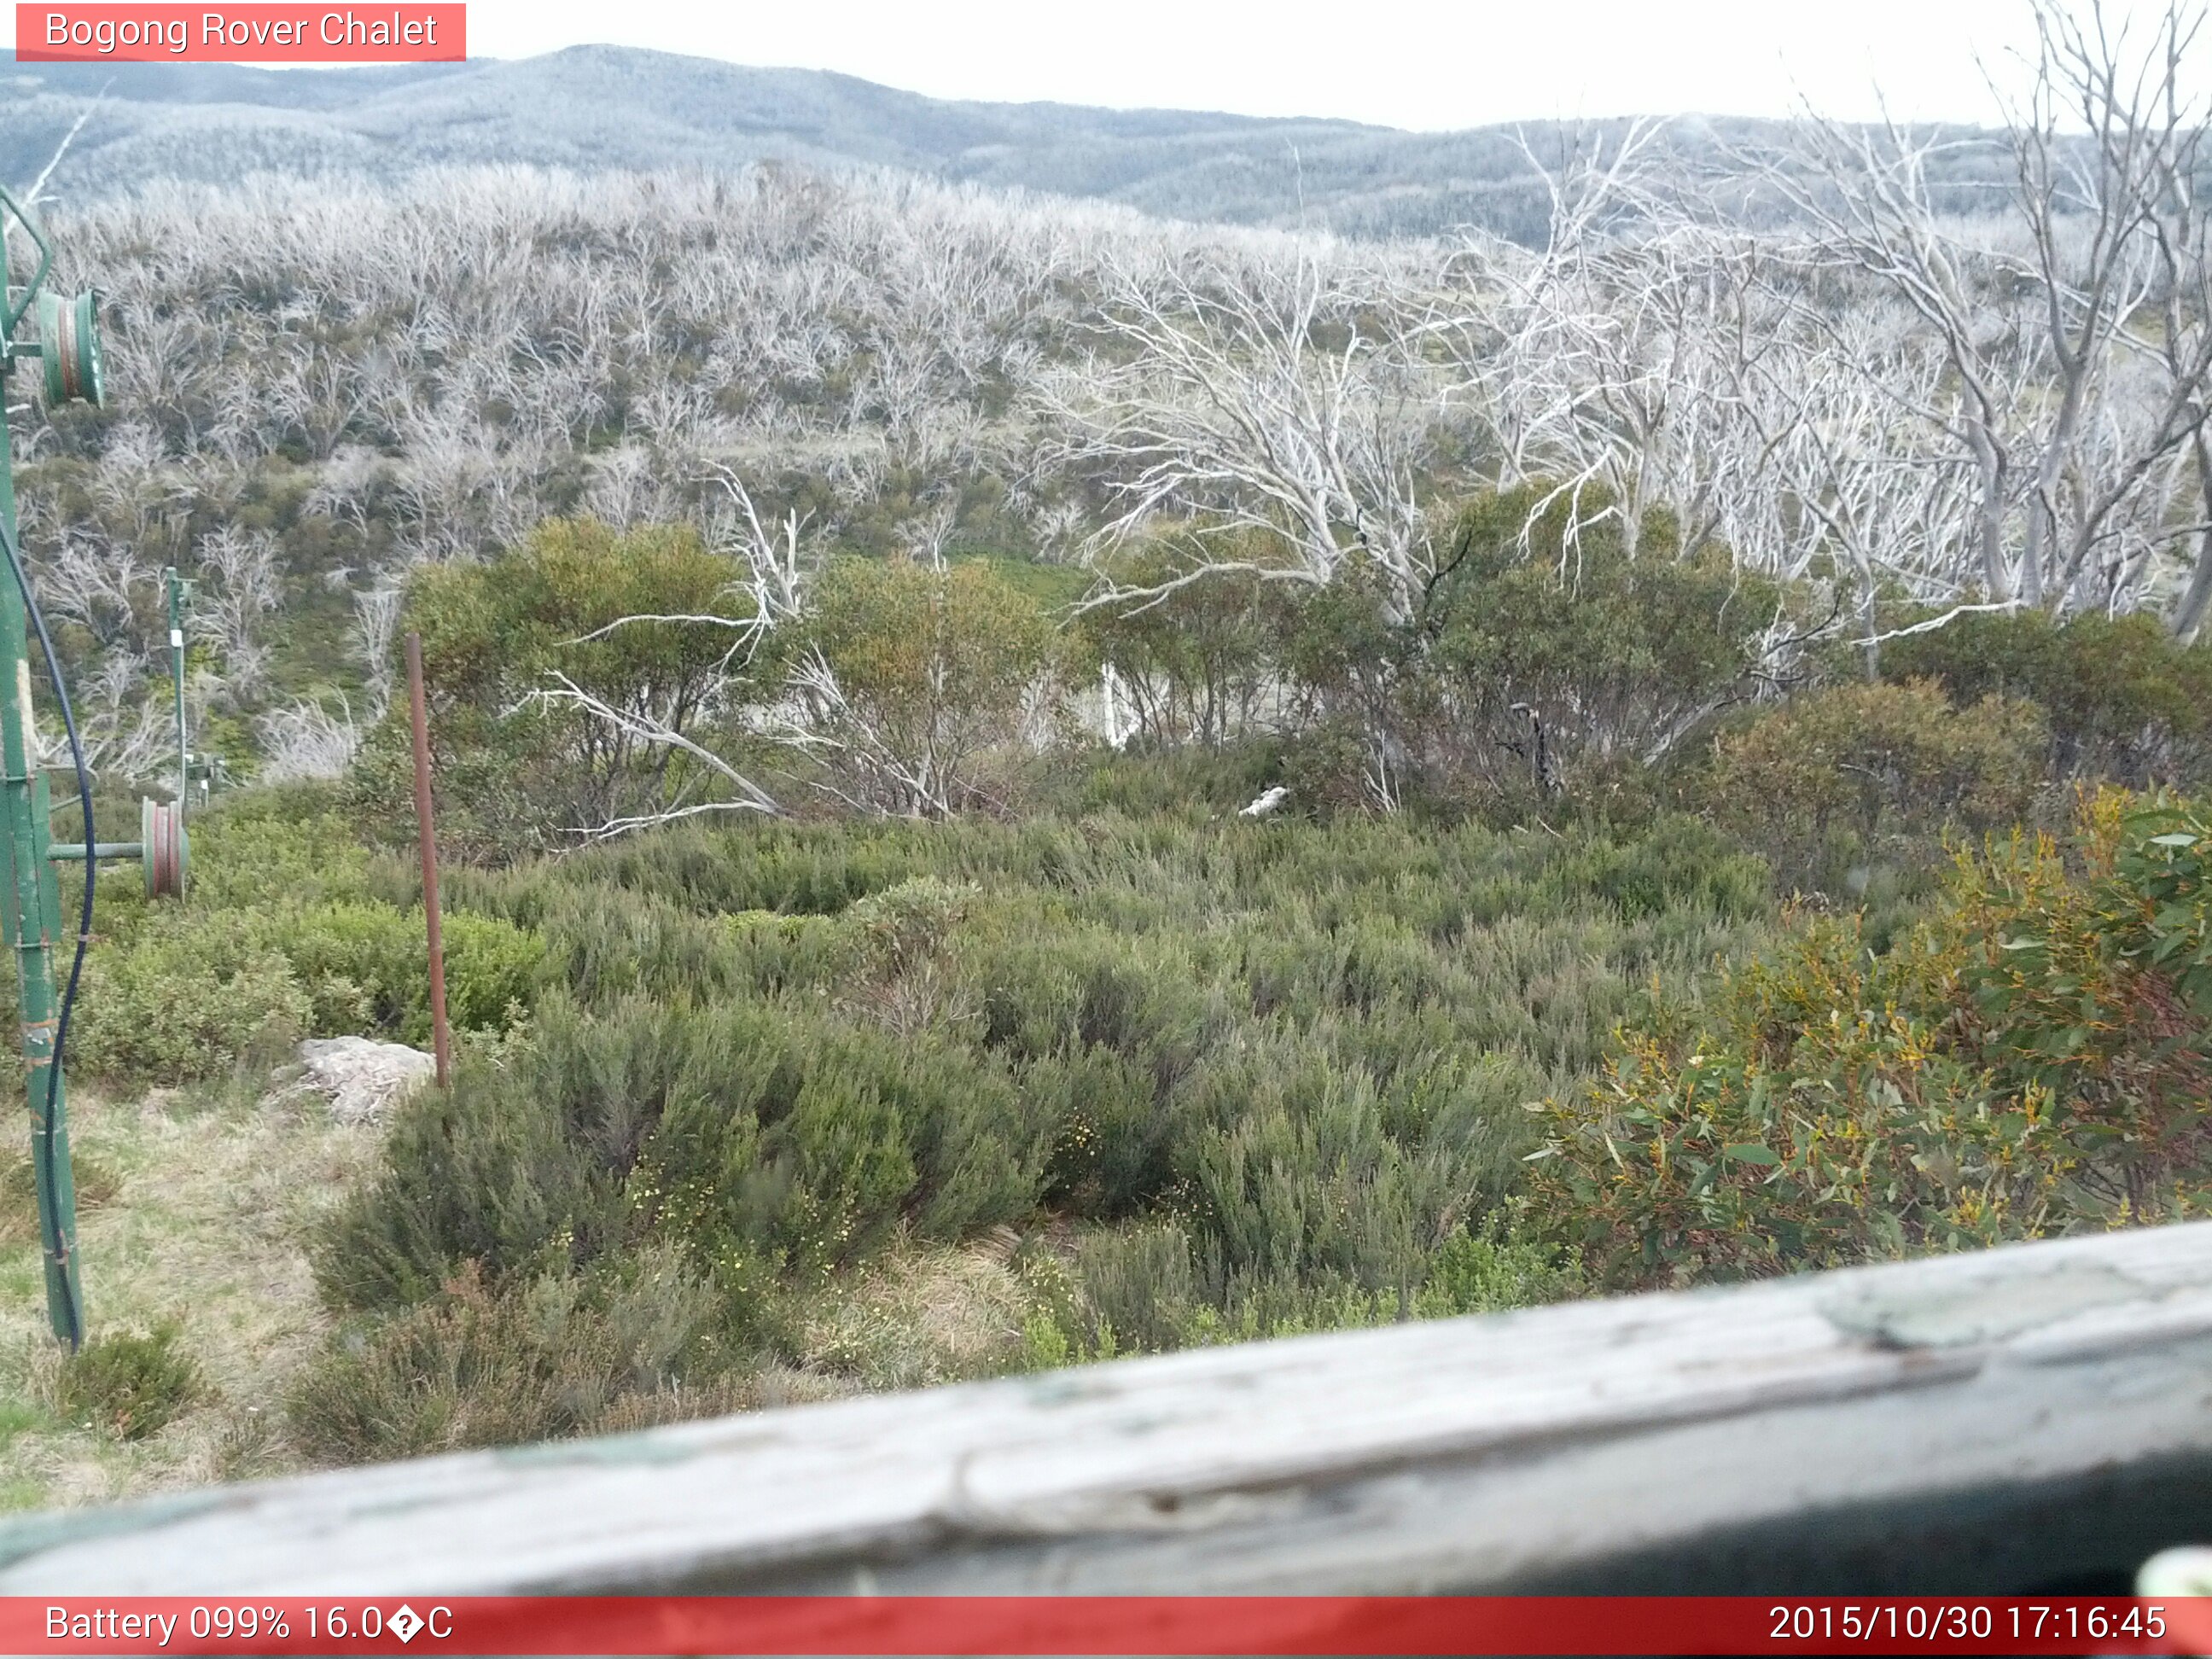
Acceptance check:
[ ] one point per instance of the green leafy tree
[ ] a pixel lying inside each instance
(1543, 658)
(572, 679)
(1544, 627)
(2126, 701)
(913, 678)
(1199, 662)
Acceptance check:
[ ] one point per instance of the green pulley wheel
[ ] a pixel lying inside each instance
(69, 341)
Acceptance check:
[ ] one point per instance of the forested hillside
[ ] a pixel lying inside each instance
(1026, 781)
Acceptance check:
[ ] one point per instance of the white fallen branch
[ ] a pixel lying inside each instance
(751, 797)
(1929, 625)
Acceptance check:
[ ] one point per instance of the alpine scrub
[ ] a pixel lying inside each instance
(2028, 1058)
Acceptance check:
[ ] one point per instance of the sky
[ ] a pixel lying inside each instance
(1429, 64)
(1420, 64)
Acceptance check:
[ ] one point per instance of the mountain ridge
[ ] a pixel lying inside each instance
(594, 107)
(590, 108)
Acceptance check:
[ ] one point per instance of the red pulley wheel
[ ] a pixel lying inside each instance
(163, 848)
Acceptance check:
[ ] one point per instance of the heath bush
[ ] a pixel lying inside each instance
(1856, 774)
(2030, 1058)
(2125, 700)
(131, 1385)
(554, 1355)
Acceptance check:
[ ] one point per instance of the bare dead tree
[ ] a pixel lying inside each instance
(1286, 400)
(307, 740)
(96, 581)
(376, 627)
(125, 717)
(240, 568)
(928, 534)
(1876, 395)
(777, 572)
(2037, 324)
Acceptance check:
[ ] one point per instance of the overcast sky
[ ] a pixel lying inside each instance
(1427, 63)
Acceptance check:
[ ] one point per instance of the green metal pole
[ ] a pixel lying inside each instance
(29, 927)
(73, 851)
(175, 587)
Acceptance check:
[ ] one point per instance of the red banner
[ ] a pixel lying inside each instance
(1125, 1625)
(259, 34)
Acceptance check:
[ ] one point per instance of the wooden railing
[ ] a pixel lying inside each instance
(2035, 1417)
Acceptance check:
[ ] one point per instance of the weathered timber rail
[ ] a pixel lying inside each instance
(2035, 1417)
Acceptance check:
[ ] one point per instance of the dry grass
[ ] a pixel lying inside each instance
(921, 1316)
(211, 1198)
(199, 1213)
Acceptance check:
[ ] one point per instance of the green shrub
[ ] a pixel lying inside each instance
(280, 936)
(1297, 1055)
(131, 1385)
(1144, 1289)
(199, 989)
(1487, 1270)
(1678, 862)
(2124, 699)
(1857, 774)
(192, 996)
(2032, 1057)
(2157, 904)
(1190, 784)
(253, 852)
(603, 945)
(808, 1140)
(1139, 1288)
(366, 969)
(548, 1358)
(745, 1134)
(1294, 1179)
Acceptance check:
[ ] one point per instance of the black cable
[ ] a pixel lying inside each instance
(84, 926)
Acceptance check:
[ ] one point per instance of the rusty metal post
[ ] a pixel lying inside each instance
(429, 835)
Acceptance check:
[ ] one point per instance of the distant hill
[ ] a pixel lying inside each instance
(592, 107)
